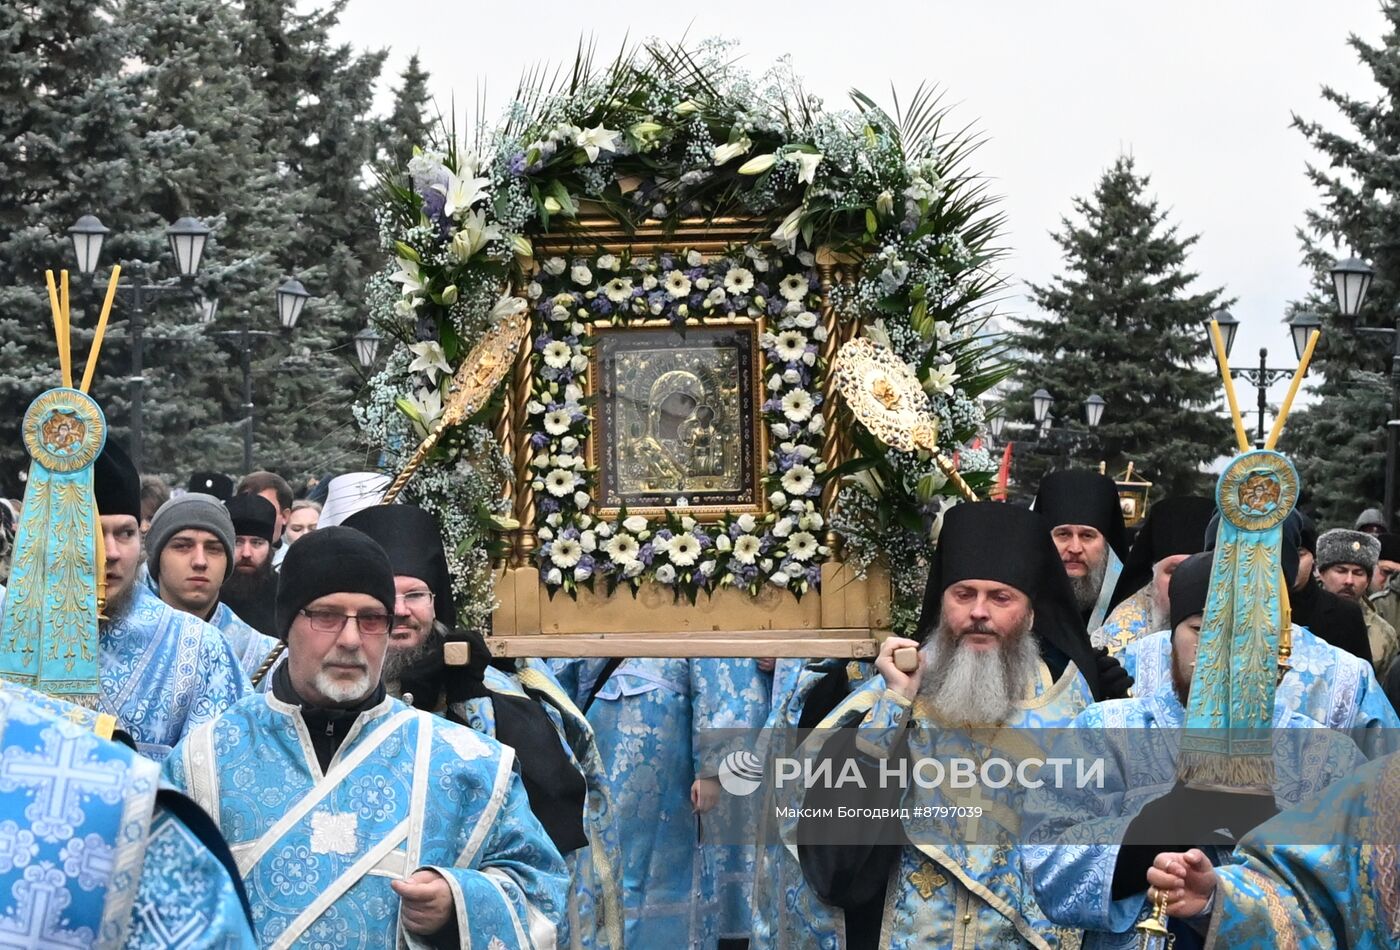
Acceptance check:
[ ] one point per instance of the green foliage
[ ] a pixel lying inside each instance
(1123, 321)
(1338, 442)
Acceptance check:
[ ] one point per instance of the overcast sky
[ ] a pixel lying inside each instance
(1200, 93)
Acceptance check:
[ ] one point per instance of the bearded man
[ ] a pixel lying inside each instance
(251, 588)
(353, 817)
(1005, 653)
(1088, 849)
(1175, 528)
(1085, 517)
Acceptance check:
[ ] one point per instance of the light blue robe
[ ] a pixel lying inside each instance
(249, 646)
(945, 891)
(660, 724)
(1073, 834)
(164, 672)
(787, 913)
(1322, 877)
(1323, 683)
(1127, 622)
(594, 919)
(87, 856)
(406, 790)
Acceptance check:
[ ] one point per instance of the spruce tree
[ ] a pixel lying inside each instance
(319, 98)
(410, 123)
(1123, 322)
(1338, 442)
(68, 140)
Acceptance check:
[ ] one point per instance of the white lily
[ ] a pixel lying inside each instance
(409, 276)
(473, 236)
(597, 140)
(506, 307)
(941, 380)
(758, 164)
(807, 163)
(785, 237)
(428, 402)
(462, 191)
(430, 359)
(731, 151)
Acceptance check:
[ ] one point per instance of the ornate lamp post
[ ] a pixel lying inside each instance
(1300, 325)
(187, 238)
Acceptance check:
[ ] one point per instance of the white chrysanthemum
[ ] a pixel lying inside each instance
(793, 287)
(565, 553)
(738, 281)
(684, 550)
(557, 354)
(790, 345)
(798, 480)
(618, 289)
(746, 548)
(802, 546)
(797, 405)
(677, 283)
(557, 422)
(622, 548)
(559, 482)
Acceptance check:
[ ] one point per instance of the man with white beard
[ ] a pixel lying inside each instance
(1005, 654)
(1085, 517)
(357, 819)
(1175, 528)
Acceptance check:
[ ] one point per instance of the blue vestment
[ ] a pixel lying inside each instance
(661, 724)
(1322, 877)
(1073, 833)
(164, 672)
(88, 858)
(1323, 683)
(405, 791)
(959, 881)
(249, 646)
(594, 919)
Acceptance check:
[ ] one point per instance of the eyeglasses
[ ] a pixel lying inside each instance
(372, 624)
(417, 598)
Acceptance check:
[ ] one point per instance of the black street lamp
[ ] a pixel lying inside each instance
(1351, 279)
(187, 238)
(1300, 326)
(291, 297)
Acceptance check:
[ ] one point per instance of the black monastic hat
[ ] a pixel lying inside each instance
(1082, 497)
(1173, 526)
(116, 485)
(411, 538)
(995, 541)
(252, 515)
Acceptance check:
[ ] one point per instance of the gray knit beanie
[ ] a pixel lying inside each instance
(190, 510)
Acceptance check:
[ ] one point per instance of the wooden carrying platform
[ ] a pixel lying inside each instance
(845, 619)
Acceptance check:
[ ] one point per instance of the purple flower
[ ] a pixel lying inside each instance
(539, 440)
(517, 164)
(814, 576)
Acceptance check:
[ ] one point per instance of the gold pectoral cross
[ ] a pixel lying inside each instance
(927, 879)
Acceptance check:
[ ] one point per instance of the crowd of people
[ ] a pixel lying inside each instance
(341, 764)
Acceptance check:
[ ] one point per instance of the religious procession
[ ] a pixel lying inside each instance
(682, 552)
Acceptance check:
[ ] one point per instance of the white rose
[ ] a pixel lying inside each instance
(665, 574)
(588, 541)
(783, 528)
(582, 499)
(581, 274)
(554, 578)
(780, 429)
(747, 523)
(635, 523)
(607, 262)
(806, 319)
(779, 579)
(568, 444)
(546, 534)
(778, 499)
(722, 543)
(555, 266)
